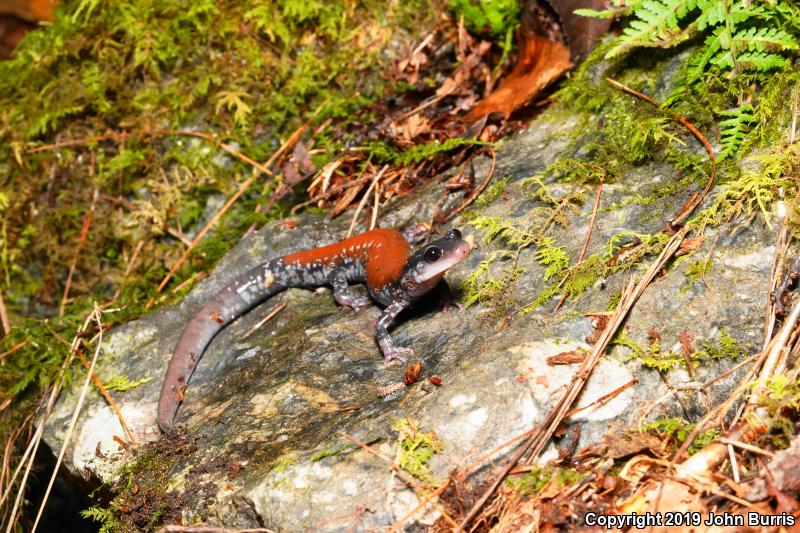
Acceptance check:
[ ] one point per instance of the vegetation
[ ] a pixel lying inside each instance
(415, 450)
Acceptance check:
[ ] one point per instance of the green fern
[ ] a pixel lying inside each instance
(741, 36)
(733, 129)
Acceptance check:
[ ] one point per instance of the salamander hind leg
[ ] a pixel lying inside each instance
(342, 293)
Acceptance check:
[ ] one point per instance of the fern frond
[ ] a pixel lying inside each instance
(656, 25)
(733, 129)
(761, 61)
(763, 40)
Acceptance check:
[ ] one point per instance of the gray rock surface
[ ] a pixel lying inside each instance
(276, 401)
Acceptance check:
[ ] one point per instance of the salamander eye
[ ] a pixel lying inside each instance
(455, 233)
(433, 254)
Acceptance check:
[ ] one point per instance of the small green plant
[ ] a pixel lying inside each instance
(697, 270)
(726, 347)
(123, 383)
(541, 476)
(107, 518)
(498, 17)
(678, 429)
(415, 450)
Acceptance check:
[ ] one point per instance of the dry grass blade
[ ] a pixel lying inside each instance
(364, 199)
(477, 192)
(87, 223)
(96, 316)
(200, 528)
(30, 452)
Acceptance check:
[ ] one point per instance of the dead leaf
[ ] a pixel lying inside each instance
(566, 358)
(541, 62)
(690, 245)
(412, 373)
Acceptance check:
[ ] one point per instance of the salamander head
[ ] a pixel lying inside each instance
(425, 267)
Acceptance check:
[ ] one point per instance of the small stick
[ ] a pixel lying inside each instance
(226, 148)
(87, 223)
(114, 407)
(12, 350)
(374, 220)
(78, 142)
(264, 320)
(128, 267)
(475, 194)
(745, 446)
(201, 528)
(734, 464)
(695, 200)
(588, 237)
(727, 372)
(602, 399)
(364, 199)
(4, 317)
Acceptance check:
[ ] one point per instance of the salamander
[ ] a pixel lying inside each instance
(381, 259)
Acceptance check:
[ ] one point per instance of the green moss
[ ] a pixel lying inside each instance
(143, 499)
(329, 452)
(540, 477)
(415, 450)
(123, 383)
(726, 347)
(697, 270)
(678, 430)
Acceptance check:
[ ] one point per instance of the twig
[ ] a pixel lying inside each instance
(201, 528)
(695, 200)
(745, 446)
(96, 317)
(210, 224)
(264, 320)
(477, 192)
(12, 350)
(400, 472)
(213, 139)
(79, 142)
(87, 223)
(373, 222)
(602, 399)
(587, 238)
(775, 271)
(128, 268)
(114, 407)
(363, 201)
(4, 317)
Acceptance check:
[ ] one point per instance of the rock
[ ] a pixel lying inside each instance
(266, 411)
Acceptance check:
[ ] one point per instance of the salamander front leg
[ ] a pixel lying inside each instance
(390, 351)
(342, 293)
